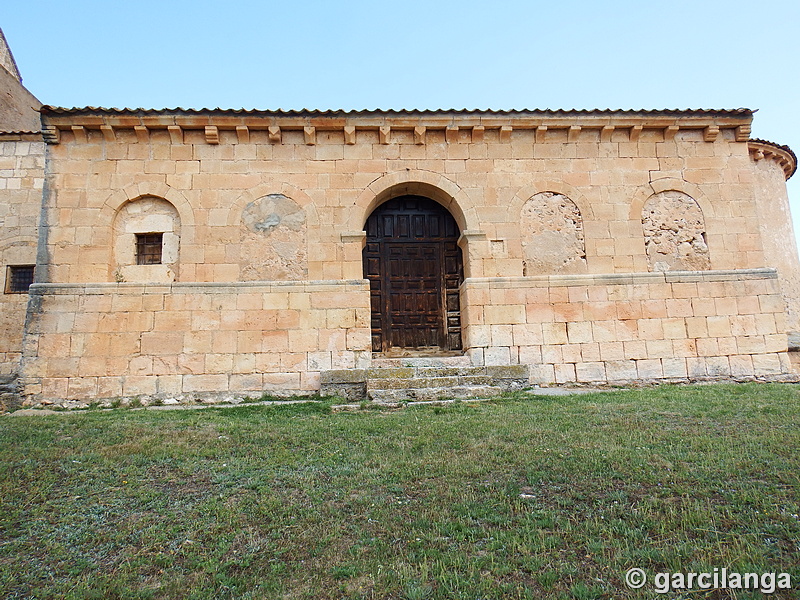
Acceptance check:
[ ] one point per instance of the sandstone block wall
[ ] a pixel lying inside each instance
(21, 182)
(329, 178)
(572, 264)
(775, 222)
(621, 328)
(159, 340)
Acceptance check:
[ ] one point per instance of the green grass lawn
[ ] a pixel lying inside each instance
(517, 498)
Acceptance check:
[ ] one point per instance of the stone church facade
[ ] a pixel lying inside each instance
(192, 253)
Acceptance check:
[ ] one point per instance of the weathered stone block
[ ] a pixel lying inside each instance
(580, 332)
(767, 364)
(718, 366)
(621, 370)
(565, 373)
(542, 374)
(504, 314)
(590, 372)
(497, 355)
(741, 365)
(674, 368)
(554, 333)
(649, 369)
(133, 385)
(203, 383)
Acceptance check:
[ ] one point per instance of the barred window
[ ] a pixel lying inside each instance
(148, 248)
(19, 278)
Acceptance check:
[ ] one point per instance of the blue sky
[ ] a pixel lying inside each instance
(417, 54)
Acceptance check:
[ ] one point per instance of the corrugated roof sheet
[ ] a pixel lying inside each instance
(736, 112)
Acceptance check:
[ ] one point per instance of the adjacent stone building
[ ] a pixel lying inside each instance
(21, 183)
(192, 253)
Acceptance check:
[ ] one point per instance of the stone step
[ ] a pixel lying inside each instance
(420, 361)
(391, 373)
(416, 372)
(422, 381)
(389, 396)
(449, 371)
(390, 383)
(498, 372)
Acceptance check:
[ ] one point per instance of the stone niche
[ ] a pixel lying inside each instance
(142, 216)
(552, 235)
(674, 233)
(273, 240)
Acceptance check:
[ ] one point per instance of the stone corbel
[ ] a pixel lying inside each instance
(349, 135)
(451, 134)
(175, 134)
(310, 135)
(385, 135)
(636, 132)
(419, 135)
(274, 133)
(142, 134)
(477, 134)
(79, 131)
(108, 133)
(505, 133)
(743, 133)
(243, 134)
(573, 133)
(541, 132)
(711, 133)
(212, 134)
(606, 132)
(51, 134)
(669, 132)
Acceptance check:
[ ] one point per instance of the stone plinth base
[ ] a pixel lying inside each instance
(640, 327)
(191, 339)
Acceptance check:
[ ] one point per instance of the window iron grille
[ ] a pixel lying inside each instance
(148, 248)
(19, 278)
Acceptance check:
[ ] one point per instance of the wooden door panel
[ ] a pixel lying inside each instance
(414, 267)
(414, 291)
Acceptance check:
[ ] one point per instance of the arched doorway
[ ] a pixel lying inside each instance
(414, 266)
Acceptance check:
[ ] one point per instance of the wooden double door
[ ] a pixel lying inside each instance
(414, 267)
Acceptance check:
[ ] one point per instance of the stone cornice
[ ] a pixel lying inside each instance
(544, 124)
(783, 155)
(20, 136)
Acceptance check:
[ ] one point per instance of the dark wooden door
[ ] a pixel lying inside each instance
(414, 267)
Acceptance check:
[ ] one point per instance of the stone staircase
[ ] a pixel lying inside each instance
(392, 380)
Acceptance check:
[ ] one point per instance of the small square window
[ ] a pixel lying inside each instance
(148, 248)
(19, 278)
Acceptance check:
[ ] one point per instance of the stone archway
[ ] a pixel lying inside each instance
(415, 267)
